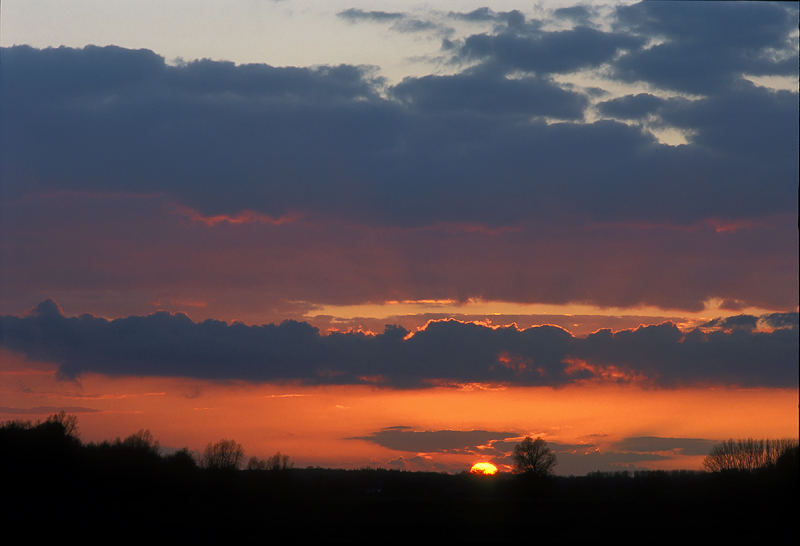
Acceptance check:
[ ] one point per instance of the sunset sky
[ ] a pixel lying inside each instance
(402, 235)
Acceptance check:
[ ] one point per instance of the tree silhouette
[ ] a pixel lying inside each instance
(222, 455)
(276, 462)
(68, 423)
(142, 440)
(533, 457)
(747, 454)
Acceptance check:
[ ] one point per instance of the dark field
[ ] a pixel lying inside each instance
(54, 487)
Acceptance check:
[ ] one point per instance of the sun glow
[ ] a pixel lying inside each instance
(486, 469)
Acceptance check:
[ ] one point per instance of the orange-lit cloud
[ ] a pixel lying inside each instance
(242, 217)
(444, 352)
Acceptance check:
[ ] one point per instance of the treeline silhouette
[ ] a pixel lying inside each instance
(54, 485)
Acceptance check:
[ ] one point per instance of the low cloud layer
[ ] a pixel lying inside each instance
(650, 444)
(444, 353)
(403, 438)
(627, 453)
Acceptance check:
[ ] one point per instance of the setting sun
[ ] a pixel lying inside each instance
(486, 469)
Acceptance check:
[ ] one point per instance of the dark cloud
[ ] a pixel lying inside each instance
(402, 438)
(649, 444)
(631, 106)
(388, 166)
(479, 14)
(673, 357)
(273, 272)
(490, 94)
(707, 46)
(745, 322)
(547, 52)
(221, 138)
(513, 19)
(444, 353)
(756, 126)
(573, 459)
(578, 14)
(781, 320)
(604, 461)
(355, 14)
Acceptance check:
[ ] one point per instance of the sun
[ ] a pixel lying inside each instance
(487, 469)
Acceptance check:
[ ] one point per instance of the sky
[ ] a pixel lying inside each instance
(402, 235)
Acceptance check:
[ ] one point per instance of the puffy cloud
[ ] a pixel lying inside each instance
(547, 52)
(469, 147)
(490, 93)
(330, 155)
(781, 320)
(444, 353)
(746, 322)
(579, 14)
(706, 47)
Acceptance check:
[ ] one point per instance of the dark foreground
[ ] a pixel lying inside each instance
(54, 487)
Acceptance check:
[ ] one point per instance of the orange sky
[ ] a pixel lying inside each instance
(313, 424)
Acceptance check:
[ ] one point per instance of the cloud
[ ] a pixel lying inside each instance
(478, 14)
(573, 459)
(444, 353)
(631, 106)
(745, 322)
(781, 320)
(411, 24)
(336, 141)
(649, 444)
(547, 52)
(41, 410)
(490, 94)
(579, 14)
(278, 159)
(403, 438)
(507, 19)
(604, 461)
(149, 257)
(713, 44)
(355, 14)
(401, 22)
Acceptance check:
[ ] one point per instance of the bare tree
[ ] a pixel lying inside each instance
(142, 440)
(66, 421)
(533, 457)
(747, 454)
(276, 462)
(222, 455)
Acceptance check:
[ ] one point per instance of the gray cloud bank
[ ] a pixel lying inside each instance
(404, 438)
(472, 146)
(497, 446)
(444, 353)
